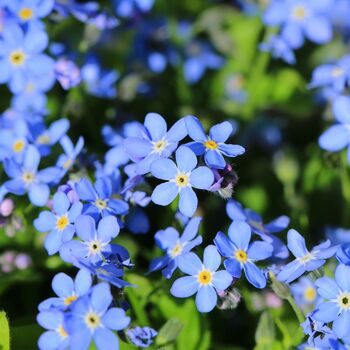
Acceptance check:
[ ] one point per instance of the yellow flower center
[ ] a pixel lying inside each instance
(62, 222)
(95, 247)
(92, 320)
(28, 177)
(100, 204)
(310, 294)
(67, 163)
(337, 72)
(210, 144)
(181, 180)
(344, 301)
(30, 88)
(159, 146)
(25, 13)
(44, 139)
(69, 300)
(299, 12)
(177, 250)
(62, 332)
(241, 256)
(17, 57)
(205, 277)
(18, 146)
(306, 258)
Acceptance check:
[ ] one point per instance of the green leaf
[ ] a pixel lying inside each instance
(4, 332)
(169, 332)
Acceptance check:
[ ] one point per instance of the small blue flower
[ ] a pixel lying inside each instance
(304, 292)
(29, 10)
(305, 260)
(94, 241)
(204, 279)
(337, 136)
(141, 336)
(279, 48)
(180, 180)
(235, 211)
(334, 76)
(155, 141)
(99, 83)
(128, 8)
(337, 305)
(175, 246)
(67, 290)
(99, 198)
(13, 142)
(60, 223)
(241, 255)
(67, 73)
(71, 152)
(299, 19)
(92, 319)
(213, 146)
(56, 336)
(343, 253)
(27, 179)
(21, 58)
(200, 57)
(44, 138)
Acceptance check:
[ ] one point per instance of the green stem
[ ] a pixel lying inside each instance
(140, 313)
(297, 311)
(345, 188)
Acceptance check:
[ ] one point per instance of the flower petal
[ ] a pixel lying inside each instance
(206, 299)
(184, 287)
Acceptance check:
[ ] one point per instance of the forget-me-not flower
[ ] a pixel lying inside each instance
(93, 319)
(175, 246)
(180, 180)
(60, 222)
(241, 254)
(203, 279)
(336, 307)
(141, 336)
(155, 141)
(305, 260)
(213, 146)
(27, 179)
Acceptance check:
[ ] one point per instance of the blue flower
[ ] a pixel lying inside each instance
(337, 136)
(279, 48)
(213, 146)
(304, 292)
(175, 246)
(60, 223)
(29, 10)
(204, 279)
(13, 142)
(241, 255)
(44, 138)
(71, 152)
(128, 8)
(343, 254)
(21, 58)
(200, 57)
(93, 319)
(94, 242)
(155, 141)
(141, 336)
(56, 336)
(334, 76)
(67, 73)
(99, 198)
(299, 19)
(305, 260)
(99, 83)
(337, 305)
(180, 180)
(67, 290)
(235, 211)
(27, 179)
